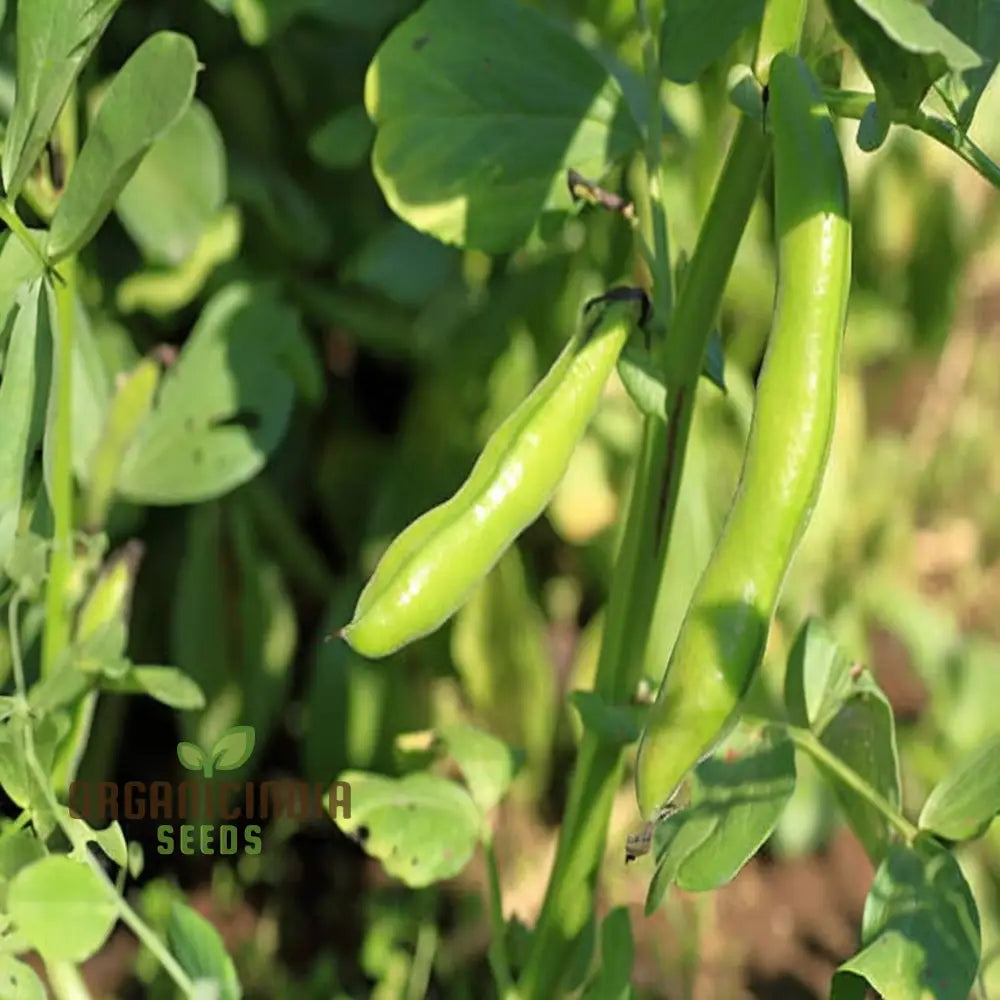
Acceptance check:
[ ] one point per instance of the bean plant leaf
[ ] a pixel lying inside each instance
(61, 908)
(161, 291)
(863, 735)
(422, 827)
(965, 802)
(612, 980)
(841, 703)
(645, 383)
(177, 189)
(343, 140)
(920, 932)
(479, 110)
(223, 407)
(54, 40)
(737, 797)
(199, 949)
(18, 979)
(818, 679)
(901, 46)
(617, 725)
(167, 685)
(977, 23)
(132, 116)
(694, 34)
(487, 764)
(25, 373)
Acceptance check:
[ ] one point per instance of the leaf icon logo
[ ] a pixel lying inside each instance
(230, 751)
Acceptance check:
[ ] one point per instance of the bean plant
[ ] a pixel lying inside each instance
(497, 133)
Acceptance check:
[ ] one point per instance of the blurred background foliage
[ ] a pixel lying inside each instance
(387, 359)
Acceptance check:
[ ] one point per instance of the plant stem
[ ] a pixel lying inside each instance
(131, 919)
(638, 571)
(660, 264)
(499, 963)
(57, 626)
(780, 31)
(854, 103)
(57, 623)
(809, 743)
(293, 548)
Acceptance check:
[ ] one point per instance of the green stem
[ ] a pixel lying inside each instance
(810, 744)
(290, 544)
(638, 571)
(131, 919)
(660, 264)
(57, 620)
(66, 982)
(499, 963)
(780, 31)
(854, 103)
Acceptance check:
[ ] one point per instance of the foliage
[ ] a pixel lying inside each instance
(249, 335)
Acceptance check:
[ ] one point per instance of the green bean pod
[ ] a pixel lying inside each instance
(431, 568)
(721, 641)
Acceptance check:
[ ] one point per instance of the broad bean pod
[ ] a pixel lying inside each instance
(431, 568)
(722, 639)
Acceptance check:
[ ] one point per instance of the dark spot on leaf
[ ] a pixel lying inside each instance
(414, 862)
(419, 43)
(242, 418)
(198, 456)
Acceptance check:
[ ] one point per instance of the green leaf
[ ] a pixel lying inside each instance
(818, 678)
(54, 40)
(872, 129)
(18, 780)
(61, 908)
(167, 685)
(612, 981)
(487, 764)
(197, 946)
(901, 46)
(694, 36)
(645, 384)
(479, 111)
(920, 932)
(191, 755)
(178, 188)
(965, 802)
(23, 382)
(977, 23)
(233, 748)
(402, 264)
(18, 979)
(617, 725)
(863, 735)
(423, 828)
(223, 407)
(18, 268)
(162, 291)
(343, 140)
(132, 115)
(737, 797)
